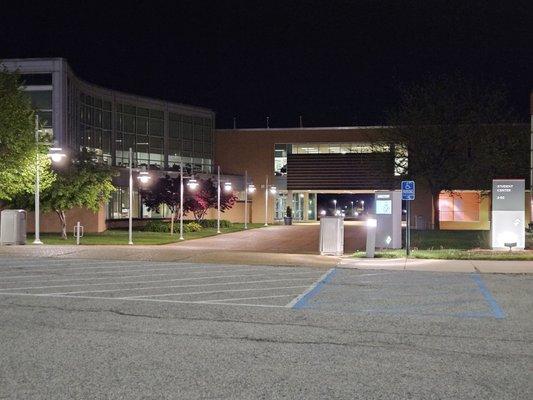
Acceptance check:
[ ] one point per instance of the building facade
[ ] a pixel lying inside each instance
(80, 115)
(314, 171)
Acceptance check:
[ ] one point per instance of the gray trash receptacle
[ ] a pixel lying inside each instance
(13, 227)
(331, 236)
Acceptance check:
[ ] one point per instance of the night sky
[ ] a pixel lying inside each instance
(333, 62)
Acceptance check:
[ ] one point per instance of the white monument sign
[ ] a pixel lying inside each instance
(508, 214)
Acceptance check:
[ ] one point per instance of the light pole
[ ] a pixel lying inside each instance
(218, 199)
(130, 216)
(271, 189)
(247, 188)
(37, 189)
(192, 184)
(55, 155)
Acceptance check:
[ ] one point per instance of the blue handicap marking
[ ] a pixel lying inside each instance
(408, 190)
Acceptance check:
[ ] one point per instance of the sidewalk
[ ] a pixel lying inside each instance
(414, 264)
(168, 254)
(190, 255)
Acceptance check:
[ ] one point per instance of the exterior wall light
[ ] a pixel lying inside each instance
(56, 154)
(227, 186)
(251, 188)
(371, 222)
(192, 184)
(273, 189)
(144, 177)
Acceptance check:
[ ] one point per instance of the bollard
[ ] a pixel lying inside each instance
(371, 225)
(78, 232)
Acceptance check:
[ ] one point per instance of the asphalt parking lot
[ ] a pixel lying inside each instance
(137, 329)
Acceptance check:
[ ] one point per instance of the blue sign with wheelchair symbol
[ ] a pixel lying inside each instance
(408, 190)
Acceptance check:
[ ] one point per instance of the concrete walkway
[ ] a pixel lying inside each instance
(295, 239)
(413, 264)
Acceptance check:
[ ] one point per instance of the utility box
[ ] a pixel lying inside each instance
(331, 236)
(13, 227)
(389, 219)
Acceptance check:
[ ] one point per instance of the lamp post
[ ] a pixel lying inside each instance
(192, 184)
(271, 189)
(218, 199)
(56, 155)
(130, 216)
(247, 188)
(143, 177)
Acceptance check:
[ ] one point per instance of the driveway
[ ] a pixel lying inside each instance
(295, 239)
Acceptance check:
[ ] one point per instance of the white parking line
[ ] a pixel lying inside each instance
(181, 286)
(156, 281)
(143, 300)
(215, 291)
(229, 300)
(195, 270)
(107, 272)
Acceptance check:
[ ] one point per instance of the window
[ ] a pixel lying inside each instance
(459, 207)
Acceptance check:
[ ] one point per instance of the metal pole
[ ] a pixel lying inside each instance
(266, 201)
(130, 217)
(37, 184)
(245, 199)
(408, 230)
(181, 200)
(218, 201)
(531, 174)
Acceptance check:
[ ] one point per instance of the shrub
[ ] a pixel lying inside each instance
(192, 227)
(212, 223)
(157, 226)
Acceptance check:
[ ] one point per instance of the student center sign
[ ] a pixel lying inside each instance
(508, 213)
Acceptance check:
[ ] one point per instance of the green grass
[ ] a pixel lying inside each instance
(455, 245)
(454, 254)
(116, 236)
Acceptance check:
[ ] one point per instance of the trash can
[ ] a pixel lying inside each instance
(331, 236)
(13, 227)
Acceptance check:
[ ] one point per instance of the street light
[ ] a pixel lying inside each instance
(248, 188)
(271, 189)
(56, 155)
(191, 184)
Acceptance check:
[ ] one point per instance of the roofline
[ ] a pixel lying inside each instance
(109, 91)
(314, 128)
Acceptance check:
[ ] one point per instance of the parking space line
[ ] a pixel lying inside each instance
(181, 286)
(194, 271)
(301, 300)
(214, 291)
(495, 308)
(156, 281)
(142, 300)
(111, 272)
(229, 300)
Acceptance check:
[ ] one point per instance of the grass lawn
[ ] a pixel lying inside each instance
(455, 245)
(454, 254)
(117, 236)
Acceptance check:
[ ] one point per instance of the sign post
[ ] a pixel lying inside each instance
(508, 214)
(408, 194)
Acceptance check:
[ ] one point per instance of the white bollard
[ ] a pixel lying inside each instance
(78, 232)
(371, 225)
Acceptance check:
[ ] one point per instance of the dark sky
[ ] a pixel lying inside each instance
(333, 62)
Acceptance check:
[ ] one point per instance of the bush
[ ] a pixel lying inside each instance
(212, 223)
(192, 227)
(157, 226)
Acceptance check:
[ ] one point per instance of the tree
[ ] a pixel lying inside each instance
(205, 197)
(450, 133)
(18, 151)
(165, 190)
(83, 182)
